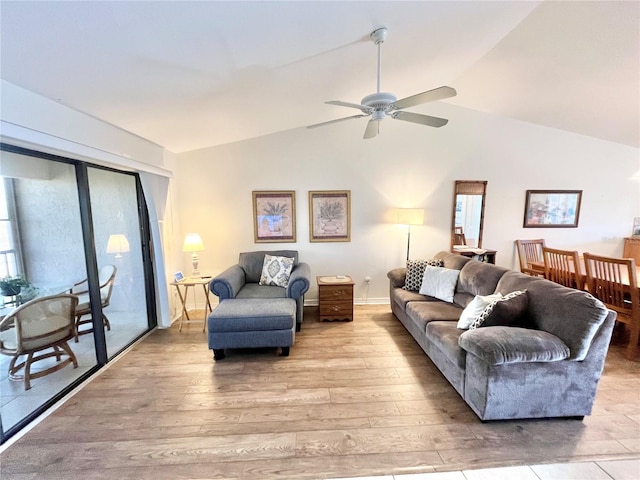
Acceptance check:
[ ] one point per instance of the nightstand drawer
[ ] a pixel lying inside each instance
(335, 294)
(338, 310)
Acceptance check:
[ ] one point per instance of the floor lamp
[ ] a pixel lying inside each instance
(409, 216)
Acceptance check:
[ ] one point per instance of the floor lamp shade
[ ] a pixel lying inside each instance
(193, 243)
(409, 216)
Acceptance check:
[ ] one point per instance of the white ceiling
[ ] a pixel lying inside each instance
(189, 75)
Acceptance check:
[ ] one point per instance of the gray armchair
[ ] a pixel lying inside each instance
(242, 280)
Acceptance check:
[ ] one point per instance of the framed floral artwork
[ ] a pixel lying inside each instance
(330, 216)
(552, 208)
(274, 216)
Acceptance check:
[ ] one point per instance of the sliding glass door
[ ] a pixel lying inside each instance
(67, 227)
(118, 247)
(42, 242)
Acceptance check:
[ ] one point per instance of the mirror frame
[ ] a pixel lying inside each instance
(468, 187)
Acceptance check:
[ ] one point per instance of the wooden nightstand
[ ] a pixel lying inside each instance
(335, 298)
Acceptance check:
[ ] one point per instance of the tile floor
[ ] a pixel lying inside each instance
(16, 402)
(604, 470)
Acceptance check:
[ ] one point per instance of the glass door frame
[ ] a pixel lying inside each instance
(86, 219)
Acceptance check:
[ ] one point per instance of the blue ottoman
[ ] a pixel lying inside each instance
(252, 323)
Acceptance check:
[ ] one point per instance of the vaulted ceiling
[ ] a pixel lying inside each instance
(188, 75)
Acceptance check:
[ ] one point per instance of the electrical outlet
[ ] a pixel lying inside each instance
(367, 279)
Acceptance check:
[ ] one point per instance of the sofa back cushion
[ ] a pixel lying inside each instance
(252, 262)
(571, 315)
(451, 260)
(479, 278)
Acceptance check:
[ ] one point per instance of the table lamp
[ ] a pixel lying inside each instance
(409, 216)
(193, 243)
(118, 244)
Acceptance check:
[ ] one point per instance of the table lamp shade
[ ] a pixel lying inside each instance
(118, 244)
(410, 216)
(193, 243)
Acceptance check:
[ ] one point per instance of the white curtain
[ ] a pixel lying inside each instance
(156, 190)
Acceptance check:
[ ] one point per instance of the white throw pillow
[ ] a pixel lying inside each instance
(276, 271)
(475, 308)
(439, 282)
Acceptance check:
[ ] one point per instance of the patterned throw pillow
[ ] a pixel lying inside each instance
(506, 311)
(276, 271)
(415, 272)
(475, 308)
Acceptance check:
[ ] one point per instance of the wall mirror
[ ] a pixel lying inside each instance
(468, 213)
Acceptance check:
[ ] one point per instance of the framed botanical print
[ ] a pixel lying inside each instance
(552, 208)
(274, 216)
(330, 216)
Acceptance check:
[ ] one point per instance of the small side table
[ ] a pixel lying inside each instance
(192, 282)
(335, 296)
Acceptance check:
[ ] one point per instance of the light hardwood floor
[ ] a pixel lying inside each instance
(352, 399)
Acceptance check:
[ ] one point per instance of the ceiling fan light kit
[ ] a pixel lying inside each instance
(380, 105)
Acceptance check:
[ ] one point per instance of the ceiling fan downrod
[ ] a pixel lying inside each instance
(378, 37)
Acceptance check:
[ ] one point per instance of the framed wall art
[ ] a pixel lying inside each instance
(552, 208)
(330, 216)
(274, 216)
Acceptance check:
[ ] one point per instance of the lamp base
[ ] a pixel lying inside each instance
(195, 274)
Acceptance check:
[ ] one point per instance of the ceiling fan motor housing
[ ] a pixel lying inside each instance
(379, 101)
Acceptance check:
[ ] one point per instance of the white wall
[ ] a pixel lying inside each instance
(406, 166)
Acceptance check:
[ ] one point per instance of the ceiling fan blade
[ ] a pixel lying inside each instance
(421, 119)
(322, 124)
(373, 127)
(424, 97)
(364, 108)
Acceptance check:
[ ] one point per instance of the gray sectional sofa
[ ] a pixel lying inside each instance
(547, 365)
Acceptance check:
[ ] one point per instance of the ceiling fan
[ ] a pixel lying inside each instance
(380, 105)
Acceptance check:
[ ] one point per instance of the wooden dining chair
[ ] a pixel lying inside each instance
(563, 267)
(614, 282)
(530, 251)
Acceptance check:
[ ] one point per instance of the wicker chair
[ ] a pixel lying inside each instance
(41, 324)
(106, 277)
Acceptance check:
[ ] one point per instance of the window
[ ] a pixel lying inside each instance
(10, 263)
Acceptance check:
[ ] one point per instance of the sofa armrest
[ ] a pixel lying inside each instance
(227, 284)
(299, 281)
(397, 277)
(500, 345)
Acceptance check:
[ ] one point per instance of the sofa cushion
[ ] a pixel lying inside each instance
(479, 278)
(475, 308)
(504, 311)
(445, 335)
(500, 345)
(252, 262)
(415, 272)
(439, 282)
(572, 315)
(402, 297)
(276, 271)
(452, 260)
(433, 310)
